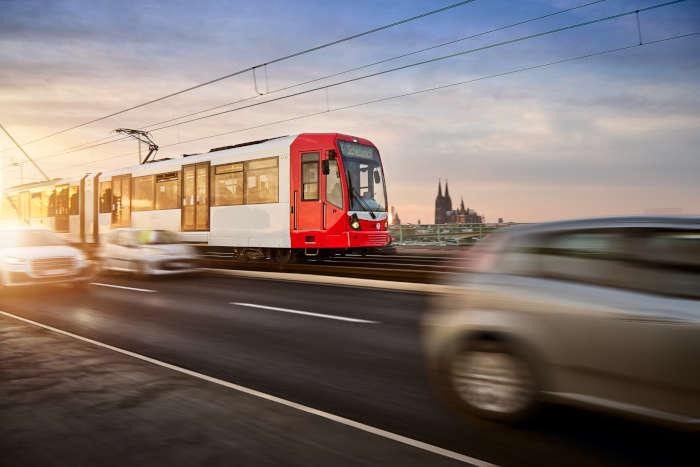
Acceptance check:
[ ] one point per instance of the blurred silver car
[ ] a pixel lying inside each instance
(602, 313)
(32, 256)
(147, 252)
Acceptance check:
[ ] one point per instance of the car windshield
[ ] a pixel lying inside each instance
(29, 238)
(363, 169)
(156, 237)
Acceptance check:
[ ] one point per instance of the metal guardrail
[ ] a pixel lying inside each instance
(441, 234)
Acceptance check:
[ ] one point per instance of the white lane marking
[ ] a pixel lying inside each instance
(306, 313)
(303, 408)
(115, 286)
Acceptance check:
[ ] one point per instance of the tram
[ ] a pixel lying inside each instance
(287, 197)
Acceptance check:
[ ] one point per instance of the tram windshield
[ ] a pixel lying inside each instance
(363, 169)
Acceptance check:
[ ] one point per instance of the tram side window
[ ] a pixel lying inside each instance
(61, 200)
(74, 201)
(105, 197)
(334, 189)
(143, 193)
(228, 184)
(262, 181)
(46, 203)
(36, 208)
(51, 204)
(167, 191)
(309, 176)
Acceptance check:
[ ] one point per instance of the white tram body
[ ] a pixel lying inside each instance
(304, 193)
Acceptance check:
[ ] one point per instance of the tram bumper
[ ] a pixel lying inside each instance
(362, 239)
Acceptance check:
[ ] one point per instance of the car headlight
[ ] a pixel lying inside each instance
(354, 222)
(14, 261)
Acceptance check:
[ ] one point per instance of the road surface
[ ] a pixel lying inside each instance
(351, 352)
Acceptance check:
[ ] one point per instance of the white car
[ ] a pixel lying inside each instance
(30, 256)
(147, 252)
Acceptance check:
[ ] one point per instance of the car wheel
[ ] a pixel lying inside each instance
(491, 380)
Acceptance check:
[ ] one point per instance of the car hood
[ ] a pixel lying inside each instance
(36, 252)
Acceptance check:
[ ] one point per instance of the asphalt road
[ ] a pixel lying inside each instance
(361, 361)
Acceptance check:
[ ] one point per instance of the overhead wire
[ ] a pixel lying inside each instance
(413, 93)
(111, 139)
(260, 65)
(379, 62)
(425, 62)
(398, 68)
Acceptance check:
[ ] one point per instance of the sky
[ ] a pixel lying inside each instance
(617, 134)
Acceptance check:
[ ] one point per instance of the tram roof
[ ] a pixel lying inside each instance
(267, 147)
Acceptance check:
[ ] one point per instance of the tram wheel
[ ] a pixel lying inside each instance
(284, 256)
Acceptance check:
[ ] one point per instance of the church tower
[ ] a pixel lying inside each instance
(448, 201)
(439, 200)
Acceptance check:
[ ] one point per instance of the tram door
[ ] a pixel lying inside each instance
(309, 201)
(195, 197)
(121, 201)
(61, 210)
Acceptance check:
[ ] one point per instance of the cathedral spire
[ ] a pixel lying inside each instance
(461, 206)
(439, 195)
(448, 200)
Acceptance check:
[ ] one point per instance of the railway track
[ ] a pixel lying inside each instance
(423, 267)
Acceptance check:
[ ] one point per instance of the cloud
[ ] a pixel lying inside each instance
(614, 134)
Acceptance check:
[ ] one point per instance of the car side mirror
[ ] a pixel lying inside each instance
(325, 167)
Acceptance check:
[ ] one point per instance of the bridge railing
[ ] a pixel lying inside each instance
(441, 234)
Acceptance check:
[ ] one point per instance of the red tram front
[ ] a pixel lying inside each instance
(338, 194)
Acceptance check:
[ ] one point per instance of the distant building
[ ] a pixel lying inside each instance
(443, 204)
(444, 214)
(395, 219)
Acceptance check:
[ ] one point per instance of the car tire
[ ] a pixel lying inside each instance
(490, 380)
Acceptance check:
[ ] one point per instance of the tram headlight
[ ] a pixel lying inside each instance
(354, 222)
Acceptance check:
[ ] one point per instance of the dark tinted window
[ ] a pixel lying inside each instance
(656, 261)
(664, 262)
